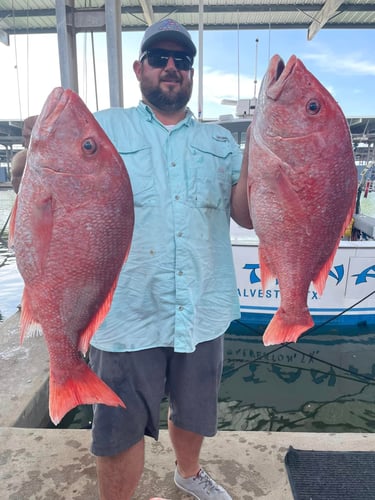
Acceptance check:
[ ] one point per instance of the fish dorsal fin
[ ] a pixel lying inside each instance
(320, 281)
(42, 227)
(265, 273)
(96, 320)
(12, 223)
(41, 221)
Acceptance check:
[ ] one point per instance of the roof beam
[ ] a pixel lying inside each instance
(193, 8)
(212, 27)
(13, 22)
(4, 37)
(328, 10)
(147, 11)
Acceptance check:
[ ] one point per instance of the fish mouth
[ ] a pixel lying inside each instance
(52, 109)
(278, 74)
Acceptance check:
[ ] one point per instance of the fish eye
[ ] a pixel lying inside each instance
(313, 107)
(89, 146)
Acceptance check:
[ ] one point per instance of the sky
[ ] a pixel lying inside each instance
(233, 67)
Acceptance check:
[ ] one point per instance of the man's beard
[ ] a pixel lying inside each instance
(164, 100)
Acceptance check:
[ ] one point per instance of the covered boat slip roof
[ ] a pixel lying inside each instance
(38, 16)
(69, 17)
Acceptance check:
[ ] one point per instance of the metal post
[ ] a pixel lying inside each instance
(114, 52)
(200, 51)
(67, 44)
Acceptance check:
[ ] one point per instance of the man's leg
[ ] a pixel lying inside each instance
(193, 386)
(119, 475)
(118, 434)
(187, 446)
(189, 476)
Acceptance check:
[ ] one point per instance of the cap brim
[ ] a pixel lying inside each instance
(173, 36)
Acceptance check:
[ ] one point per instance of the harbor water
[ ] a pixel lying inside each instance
(323, 383)
(11, 283)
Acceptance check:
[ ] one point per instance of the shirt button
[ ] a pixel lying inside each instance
(173, 164)
(179, 234)
(180, 273)
(180, 308)
(176, 197)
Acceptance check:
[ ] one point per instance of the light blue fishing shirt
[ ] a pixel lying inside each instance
(178, 286)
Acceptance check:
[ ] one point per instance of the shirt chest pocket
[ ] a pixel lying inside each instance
(209, 174)
(138, 161)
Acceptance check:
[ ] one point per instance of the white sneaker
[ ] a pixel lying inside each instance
(201, 486)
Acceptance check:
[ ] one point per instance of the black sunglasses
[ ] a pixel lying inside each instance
(158, 58)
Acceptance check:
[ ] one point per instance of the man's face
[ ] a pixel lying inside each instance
(167, 89)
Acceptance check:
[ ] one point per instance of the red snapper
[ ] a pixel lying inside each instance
(71, 231)
(302, 184)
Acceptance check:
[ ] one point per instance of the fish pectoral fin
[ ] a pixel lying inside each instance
(81, 388)
(96, 321)
(289, 198)
(41, 227)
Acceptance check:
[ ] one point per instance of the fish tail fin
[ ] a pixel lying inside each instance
(82, 387)
(283, 329)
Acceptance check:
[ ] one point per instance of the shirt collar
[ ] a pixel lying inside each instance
(150, 115)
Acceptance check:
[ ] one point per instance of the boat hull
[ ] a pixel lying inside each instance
(347, 301)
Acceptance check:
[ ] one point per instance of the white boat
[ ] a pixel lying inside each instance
(349, 295)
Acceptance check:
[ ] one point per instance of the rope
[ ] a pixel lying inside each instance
(94, 70)
(16, 62)
(27, 59)
(353, 376)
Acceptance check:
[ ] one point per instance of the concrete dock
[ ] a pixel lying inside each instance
(40, 464)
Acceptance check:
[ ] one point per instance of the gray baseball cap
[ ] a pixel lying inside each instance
(168, 29)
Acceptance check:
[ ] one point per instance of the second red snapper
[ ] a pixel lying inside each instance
(71, 229)
(302, 184)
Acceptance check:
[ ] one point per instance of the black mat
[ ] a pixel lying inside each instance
(331, 475)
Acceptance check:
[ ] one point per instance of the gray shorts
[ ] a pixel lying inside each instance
(142, 379)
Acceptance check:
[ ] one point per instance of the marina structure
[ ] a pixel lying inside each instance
(40, 462)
